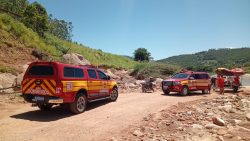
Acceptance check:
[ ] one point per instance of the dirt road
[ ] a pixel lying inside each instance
(101, 121)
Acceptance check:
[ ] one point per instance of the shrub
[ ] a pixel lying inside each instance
(5, 69)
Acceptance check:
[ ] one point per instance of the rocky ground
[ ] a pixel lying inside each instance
(225, 118)
(127, 83)
(12, 98)
(210, 118)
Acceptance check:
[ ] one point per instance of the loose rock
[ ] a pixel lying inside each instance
(138, 133)
(197, 126)
(212, 126)
(218, 121)
(248, 116)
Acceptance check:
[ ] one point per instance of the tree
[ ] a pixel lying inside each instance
(35, 17)
(14, 6)
(60, 28)
(142, 54)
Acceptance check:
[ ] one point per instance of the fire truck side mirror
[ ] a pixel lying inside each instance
(108, 77)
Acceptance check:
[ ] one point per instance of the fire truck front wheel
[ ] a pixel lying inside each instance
(114, 95)
(235, 89)
(184, 91)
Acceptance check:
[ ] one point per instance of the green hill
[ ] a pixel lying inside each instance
(16, 34)
(213, 58)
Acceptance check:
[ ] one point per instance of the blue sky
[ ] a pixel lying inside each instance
(164, 27)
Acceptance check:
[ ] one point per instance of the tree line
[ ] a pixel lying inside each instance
(35, 16)
(212, 59)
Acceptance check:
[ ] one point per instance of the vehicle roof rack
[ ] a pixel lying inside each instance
(186, 71)
(88, 66)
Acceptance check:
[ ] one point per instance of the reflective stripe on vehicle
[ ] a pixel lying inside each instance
(47, 87)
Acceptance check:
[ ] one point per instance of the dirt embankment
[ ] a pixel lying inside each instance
(13, 53)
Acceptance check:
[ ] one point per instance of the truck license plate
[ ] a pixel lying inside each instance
(39, 98)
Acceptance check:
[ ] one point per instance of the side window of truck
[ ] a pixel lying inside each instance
(102, 75)
(92, 74)
(195, 76)
(79, 73)
(41, 71)
(68, 72)
(73, 72)
(204, 76)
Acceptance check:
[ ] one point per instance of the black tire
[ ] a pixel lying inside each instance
(143, 90)
(44, 107)
(235, 89)
(166, 92)
(79, 105)
(206, 91)
(113, 95)
(184, 91)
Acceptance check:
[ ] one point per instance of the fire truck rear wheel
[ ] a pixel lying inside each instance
(44, 107)
(206, 91)
(79, 105)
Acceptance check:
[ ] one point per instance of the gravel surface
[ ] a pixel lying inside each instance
(102, 120)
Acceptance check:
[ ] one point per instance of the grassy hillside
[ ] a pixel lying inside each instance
(53, 46)
(213, 58)
(153, 69)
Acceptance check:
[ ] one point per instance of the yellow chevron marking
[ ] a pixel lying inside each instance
(25, 80)
(44, 87)
(31, 81)
(50, 87)
(53, 82)
(31, 87)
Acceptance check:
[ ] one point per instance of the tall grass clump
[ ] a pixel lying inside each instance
(4, 69)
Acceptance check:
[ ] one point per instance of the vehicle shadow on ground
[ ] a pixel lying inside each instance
(190, 94)
(229, 91)
(96, 104)
(56, 113)
(201, 94)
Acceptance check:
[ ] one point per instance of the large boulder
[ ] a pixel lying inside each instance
(7, 80)
(39, 54)
(76, 59)
(218, 121)
(158, 82)
(19, 77)
(111, 74)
